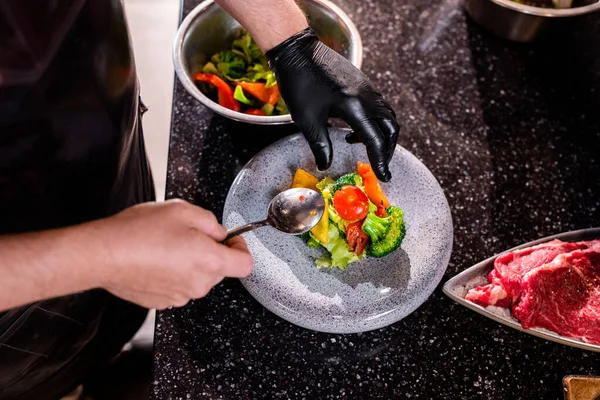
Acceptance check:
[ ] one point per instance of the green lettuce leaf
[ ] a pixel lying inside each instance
(340, 254)
(325, 184)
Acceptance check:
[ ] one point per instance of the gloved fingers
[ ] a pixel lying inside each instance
(391, 113)
(318, 139)
(378, 151)
(370, 134)
(352, 138)
(391, 130)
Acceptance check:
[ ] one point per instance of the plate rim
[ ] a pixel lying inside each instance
(398, 147)
(451, 284)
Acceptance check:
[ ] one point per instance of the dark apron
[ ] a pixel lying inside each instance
(71, 150)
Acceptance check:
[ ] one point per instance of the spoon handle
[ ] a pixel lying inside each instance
(245, 228)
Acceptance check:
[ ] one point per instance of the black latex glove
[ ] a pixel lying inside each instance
(316, 83)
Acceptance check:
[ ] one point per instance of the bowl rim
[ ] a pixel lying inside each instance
(356, 58)
(548, 12)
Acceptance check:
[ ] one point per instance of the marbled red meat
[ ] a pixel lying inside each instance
(509, 269)
(563, 296)
(555, 285)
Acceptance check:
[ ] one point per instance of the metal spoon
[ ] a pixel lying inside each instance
(293, 211)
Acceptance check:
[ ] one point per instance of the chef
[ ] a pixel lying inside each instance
(84, 249)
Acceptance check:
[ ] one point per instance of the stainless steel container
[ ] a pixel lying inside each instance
(208, 29)
(518, 22)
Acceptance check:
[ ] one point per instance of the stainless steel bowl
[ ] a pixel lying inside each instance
(208, 29)
(518, 22)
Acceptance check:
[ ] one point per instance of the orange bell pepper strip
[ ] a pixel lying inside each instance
(372, 187)
(225, 92)
(255, 111)
(261, 91)
(381, 212)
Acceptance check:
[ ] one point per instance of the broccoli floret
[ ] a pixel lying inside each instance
(352, 179)
(229, 64)
(386, 233)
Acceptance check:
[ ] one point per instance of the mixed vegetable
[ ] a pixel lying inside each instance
(240, 79)
(358, 218)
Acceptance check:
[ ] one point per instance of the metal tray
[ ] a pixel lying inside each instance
(457, 287)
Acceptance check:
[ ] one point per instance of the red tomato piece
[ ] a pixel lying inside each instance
(351, 203)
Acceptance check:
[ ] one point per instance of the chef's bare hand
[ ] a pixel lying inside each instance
(165, 254)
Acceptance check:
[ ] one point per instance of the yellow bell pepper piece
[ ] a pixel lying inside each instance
(303, 179)
(321, 230)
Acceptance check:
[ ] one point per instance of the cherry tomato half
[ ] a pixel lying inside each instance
(351, 203)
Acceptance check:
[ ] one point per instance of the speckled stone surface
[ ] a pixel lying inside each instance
(511, 131)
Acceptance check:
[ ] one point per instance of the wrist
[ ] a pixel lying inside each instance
(269, 22)
(81, 247)
(293, 46)
(282, 34)
(96, 245)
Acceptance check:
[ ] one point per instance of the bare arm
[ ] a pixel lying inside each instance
(269, 22)
(154, 254)
(35, 266)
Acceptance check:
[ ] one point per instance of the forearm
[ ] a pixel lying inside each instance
(39, 265)
(269, 22)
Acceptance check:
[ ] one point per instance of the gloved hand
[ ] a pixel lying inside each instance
(316, 83)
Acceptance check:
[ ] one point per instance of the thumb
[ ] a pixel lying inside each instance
(318, 139)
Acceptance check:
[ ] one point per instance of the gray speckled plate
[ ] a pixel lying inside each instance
(369, 294)
(457, 288)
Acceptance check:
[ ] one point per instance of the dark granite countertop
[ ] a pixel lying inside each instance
(511, 131)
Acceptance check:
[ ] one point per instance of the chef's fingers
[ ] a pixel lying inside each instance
(367, 129)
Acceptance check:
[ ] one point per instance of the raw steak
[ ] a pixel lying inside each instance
(489, 295)
(563, 296)
(509, 269)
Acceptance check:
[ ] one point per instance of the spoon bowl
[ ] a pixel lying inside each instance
(296, 211)
(293, 211)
